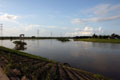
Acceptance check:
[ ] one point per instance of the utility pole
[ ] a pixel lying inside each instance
(38, 33)
(51, 34)
(65, 34)
(61, 34)
(1, 29)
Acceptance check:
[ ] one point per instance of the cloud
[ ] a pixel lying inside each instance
(78, 21)
(100, 13)
(31, 27)
(28, 30)
(103, 9)
(51, 27)
(8, 17)
(87, 31)
(14, 31)
(95, 19)
(100, 29)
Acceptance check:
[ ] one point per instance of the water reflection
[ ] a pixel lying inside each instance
(1, 42)
(20, 45)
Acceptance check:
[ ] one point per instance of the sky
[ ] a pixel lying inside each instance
(59, 17)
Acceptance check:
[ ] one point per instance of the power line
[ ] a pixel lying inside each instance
(51, 34)
(38, 33)
(1, 29)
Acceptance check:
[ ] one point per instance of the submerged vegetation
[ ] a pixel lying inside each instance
(20, 45)
(23, 66)
(63, 39)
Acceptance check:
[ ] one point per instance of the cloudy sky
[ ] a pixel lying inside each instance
(59, 17)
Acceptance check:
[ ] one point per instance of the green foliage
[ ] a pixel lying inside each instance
(20, 42)
(63, 39)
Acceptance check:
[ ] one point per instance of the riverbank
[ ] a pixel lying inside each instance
(99, 40)
(23, 66)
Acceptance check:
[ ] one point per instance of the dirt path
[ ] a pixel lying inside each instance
(2, 75)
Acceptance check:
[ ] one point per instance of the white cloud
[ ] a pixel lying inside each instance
(103, 9)
(87, 31)
(100, 29)
(14, 31)
(77, 29)
(8, 17)
(78, 21)
(28, 30)
(31, 27)
(100, 13)
(95, 19)
(51, 27)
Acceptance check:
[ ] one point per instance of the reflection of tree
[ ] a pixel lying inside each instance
(19, 45)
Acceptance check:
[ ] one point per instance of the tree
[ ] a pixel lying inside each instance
(94, 36)
(114, 36)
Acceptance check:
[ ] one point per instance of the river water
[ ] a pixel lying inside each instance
(102, 58)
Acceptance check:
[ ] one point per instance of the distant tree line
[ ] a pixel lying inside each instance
(112, 36)
(82, 37)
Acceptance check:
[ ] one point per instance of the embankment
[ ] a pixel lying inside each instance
(23, 66)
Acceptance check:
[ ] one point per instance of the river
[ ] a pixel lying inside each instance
(102, 58)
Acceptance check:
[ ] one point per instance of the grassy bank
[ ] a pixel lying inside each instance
(99, 40)
(23, 66)
(16, 52)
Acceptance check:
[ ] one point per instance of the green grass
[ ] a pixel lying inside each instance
(25, 54)
(99, 40)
